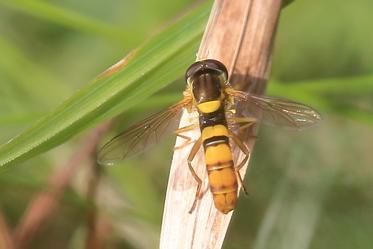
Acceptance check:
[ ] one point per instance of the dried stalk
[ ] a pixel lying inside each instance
(239, 34)
(6, 239)
(45, 204)
(93, 240)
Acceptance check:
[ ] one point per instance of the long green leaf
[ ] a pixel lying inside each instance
(158, 62)
(67, 18)
(318, 94)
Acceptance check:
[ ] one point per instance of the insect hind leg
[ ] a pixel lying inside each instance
(247, 153)
(193, 152)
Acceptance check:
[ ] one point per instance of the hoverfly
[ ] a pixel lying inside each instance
(209, 93)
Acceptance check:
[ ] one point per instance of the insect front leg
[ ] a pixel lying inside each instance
(188, 139)
(193, 152)
(247, 153)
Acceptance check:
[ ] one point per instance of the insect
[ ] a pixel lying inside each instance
(209, 93)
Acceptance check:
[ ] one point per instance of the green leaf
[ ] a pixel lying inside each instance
(155, 64)
(335, 96)
(67, 18)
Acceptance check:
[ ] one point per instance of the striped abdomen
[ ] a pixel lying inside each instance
(207, 80)
(218, 155)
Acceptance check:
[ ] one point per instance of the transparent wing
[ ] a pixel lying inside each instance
(142, 135)
(276, 111)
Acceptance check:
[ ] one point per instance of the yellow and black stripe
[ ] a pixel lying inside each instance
(206, 80)
(218, 157)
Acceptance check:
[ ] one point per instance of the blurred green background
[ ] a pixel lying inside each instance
(312, 189)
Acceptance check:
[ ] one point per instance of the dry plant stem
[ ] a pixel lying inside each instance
(239, 34)
(93, 238)
(6, 239)
(45, 204)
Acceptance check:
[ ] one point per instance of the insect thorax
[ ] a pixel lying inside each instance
(207, 79)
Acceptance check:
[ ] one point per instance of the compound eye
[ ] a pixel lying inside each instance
(217, 66)
(193, 69)
(206, 66)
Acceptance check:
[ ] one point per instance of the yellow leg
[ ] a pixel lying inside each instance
(188, 139)
(247, 153)
(243, 122)
(193, 152)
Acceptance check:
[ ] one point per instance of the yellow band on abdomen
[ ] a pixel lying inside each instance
(214, 131)
(220, 153)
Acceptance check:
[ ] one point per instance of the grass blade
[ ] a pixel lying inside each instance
(67, 18)
(158, 62)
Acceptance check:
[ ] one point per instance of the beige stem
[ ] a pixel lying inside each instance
(239, 34)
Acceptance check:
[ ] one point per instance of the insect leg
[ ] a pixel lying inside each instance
(182, 130)
(243, 122)
(247, 153)
(191, 156)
